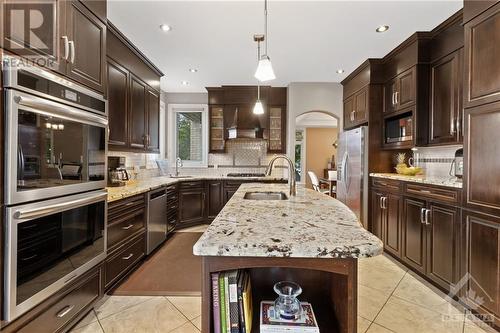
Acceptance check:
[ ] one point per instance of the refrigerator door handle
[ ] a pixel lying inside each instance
(345, 169)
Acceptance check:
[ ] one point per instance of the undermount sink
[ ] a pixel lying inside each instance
(265, 196)
(171, 176)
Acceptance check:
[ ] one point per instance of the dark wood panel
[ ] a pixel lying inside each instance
(414, 50)
(123, 259)
(407, 89)
(447, 37)
(390, 90)
(377, 213)
(414, 235)
(481, 239)
(278, 96)
(153, 116)
(215, 198)
(387, 184)
(117, 104)
(137, 113)
(98, 7)
(482, 160)
(436, 193)
(349, 112)
(446, 100)
(88, 35)
(473, 8)
(192, 203)
(482, 49)
(442, 244)
(122, 229)
(361, 106)
(392, 232)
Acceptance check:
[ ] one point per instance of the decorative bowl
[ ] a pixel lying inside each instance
(408, 171)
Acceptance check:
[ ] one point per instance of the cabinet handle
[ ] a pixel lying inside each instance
(427, 215)
(65, 311)
(128, 227)
(66, 47)
(458, 125)
(72, 47)
(396, 94)
(422, 215)
(393, 99)
(381, 205)
(385, 202)
(128, 257)
(425, 191)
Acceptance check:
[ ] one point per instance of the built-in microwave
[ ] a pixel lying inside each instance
(49, 244)
(55, 135)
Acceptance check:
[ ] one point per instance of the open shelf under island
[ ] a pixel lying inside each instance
(311, 239)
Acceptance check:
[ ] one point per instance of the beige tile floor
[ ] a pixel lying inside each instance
(391, 299)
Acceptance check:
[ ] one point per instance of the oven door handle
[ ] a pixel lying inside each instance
(53, 108)
(51, 209)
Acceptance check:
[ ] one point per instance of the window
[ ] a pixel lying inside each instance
(188, 134)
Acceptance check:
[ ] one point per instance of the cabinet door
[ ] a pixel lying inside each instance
(45, 44)
(361, 106)
(191, 206)
(349, 112)
(392, 228)
(414, 234)
(215, 198)
(482, 158)
(482, 66)
(153, 115)
(481, 244)
(87, 35)
(445, 109)
(137, 113)
(407, 86)
(277, 129)
(390, 90)
(442, 237)
(117, 105)
(228, 193)
(217, 129)
(377, 214)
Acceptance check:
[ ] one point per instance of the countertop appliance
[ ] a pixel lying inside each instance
(51, 123)
(157, 219)
(352, 171)
(458, 163)
(117, 174)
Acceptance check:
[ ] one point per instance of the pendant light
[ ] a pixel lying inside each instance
(258, 107)
(265, 70)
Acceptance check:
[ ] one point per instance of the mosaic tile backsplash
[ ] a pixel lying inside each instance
(242, 156)
(436, 161)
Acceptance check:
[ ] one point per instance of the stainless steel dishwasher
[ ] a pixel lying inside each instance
(157, 218)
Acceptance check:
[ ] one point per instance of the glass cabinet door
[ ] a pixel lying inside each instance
(216, 128)
(275, 129)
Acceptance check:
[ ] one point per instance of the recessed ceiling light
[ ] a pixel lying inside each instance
(193, 70)
(165, 27)
(185, 83)
(340, 71)
(382, 28)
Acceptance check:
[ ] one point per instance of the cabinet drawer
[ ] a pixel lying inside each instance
(436, 193)
(189, 185)
(67, 308)
(125, 227)
(387, 184)
(122, 207)
(124, 259)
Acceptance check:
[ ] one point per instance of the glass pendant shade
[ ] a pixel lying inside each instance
(258, 108)
(264, 70)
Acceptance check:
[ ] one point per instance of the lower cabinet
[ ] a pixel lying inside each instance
(192, 203)
(215, 190)
(124, 258)
(480, 264)
(386, 220)
(414, 234)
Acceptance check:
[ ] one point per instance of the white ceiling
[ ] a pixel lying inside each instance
(308, 40)
(315, 119)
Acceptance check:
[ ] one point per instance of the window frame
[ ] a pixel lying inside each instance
(173, 109)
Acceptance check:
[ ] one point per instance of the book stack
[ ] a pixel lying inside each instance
(270, 322)
(232, 302)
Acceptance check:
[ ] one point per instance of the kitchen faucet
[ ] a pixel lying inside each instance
(291, 172)
(178, 163)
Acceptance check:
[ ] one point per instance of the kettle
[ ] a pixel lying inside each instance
(457, 166)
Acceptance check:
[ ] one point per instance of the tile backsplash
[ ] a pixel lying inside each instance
(436, 161)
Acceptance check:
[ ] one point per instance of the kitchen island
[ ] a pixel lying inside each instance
(311, 239)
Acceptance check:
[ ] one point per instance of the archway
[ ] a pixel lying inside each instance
(316, 131)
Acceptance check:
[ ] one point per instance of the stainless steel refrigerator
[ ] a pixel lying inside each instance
(352, 171)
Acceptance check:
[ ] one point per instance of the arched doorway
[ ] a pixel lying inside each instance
(316, 132)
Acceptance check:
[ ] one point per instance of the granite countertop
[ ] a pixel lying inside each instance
(134, 187)
(310, 225)
(440, 181)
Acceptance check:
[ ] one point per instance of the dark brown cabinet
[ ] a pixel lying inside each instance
(73, 40)
(482, 160)
(445, 112)
(153, 116)
(392, 230)
(192, 204)
(414, 235)
(481, 263)
(137, 114)
(87, 35)
(482, 61)
(117, 104)
(401, 91)
(356, 108)
(215, 192)
(377, 213)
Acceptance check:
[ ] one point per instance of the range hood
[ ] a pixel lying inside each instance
(245, 131)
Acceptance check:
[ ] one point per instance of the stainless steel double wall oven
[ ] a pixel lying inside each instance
(55, 177)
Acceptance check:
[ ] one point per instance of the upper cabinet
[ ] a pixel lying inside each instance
(232, 107)
(70, 41)
(133, 97)
(400, 92)
(482, 60)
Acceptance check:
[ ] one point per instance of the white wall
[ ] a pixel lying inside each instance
(312, 96)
